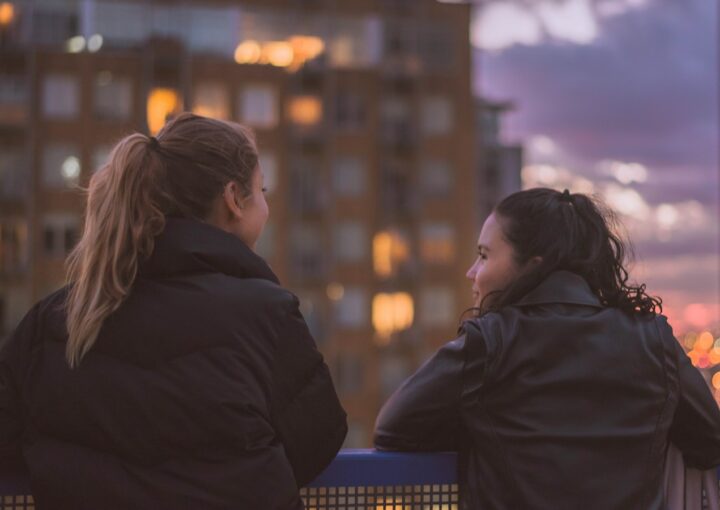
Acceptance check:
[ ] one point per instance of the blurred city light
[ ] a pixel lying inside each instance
(335, 291)
(291, 53)
(391, 312)
(305, 110)
(248, 52)
(161, 103)
(70, 169)
(279, 54)
(390, 249)
(94, 43)
(75, 44)
(7, 13)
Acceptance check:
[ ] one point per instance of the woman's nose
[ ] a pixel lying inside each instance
(470, 275)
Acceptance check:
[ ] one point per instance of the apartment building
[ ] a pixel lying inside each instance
(365, 121)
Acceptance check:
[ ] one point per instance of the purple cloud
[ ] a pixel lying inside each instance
(645, 90)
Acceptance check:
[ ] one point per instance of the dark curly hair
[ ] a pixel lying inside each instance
(572, 232)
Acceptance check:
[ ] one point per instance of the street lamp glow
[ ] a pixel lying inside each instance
(94, 43)
(75, 44)
(70, 168)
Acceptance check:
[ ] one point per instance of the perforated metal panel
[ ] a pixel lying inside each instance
(17, 502)
(392, 497)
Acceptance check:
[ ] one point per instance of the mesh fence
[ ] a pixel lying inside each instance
(391, 497)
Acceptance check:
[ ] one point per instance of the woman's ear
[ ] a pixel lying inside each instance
(233, 203)
(534, 262)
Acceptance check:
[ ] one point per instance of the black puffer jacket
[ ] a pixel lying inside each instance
(558, 403)
(203, 391)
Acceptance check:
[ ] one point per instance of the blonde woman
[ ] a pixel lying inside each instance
(173, 371)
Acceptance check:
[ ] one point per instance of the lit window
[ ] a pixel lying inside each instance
(305, 110)
(248, 52)
(436, 115)
(350, 241)
(268, 166)
(162, 103)
(437, 305)
(436, 178)
(391, 249)
(437, 243)
(348, 176)
(61, 96)
(113, 96)
(351, 310)
(61, 166)
(278, 53)
(211, 100)
(391, 312)
(257, 106)
(304, 49)
(7, 14)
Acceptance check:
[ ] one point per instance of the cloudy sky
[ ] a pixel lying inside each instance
(620, 98)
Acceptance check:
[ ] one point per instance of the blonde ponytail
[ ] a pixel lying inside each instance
(181, 173)
(121, 221)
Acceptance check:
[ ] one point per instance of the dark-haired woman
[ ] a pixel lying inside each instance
(566, 388)
(173, 371)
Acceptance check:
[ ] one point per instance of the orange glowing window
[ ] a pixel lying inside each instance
(305, 110)
(7, 13)
(390, 250)
(391, 312)
(248, 52)
(161, 104)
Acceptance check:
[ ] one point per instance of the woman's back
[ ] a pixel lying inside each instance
(576, 401)
(193, 396)
(565, 389)
(557, 402)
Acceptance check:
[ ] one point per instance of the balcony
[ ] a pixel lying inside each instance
(369, 479)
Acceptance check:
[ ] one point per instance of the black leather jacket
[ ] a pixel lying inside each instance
(558, 403)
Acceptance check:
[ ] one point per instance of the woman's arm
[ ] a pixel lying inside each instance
(307, 414)
(424, 413)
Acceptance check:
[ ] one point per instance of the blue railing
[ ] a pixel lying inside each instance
(372, 467)
(369, 479)
(356, 479)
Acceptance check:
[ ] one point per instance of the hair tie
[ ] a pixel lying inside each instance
(154, 144)
(566, 197)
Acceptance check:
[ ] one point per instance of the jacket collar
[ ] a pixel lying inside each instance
(562, 287)
(191, 246)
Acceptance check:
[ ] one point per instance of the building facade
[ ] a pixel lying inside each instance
(365, 122)
(499, 162)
